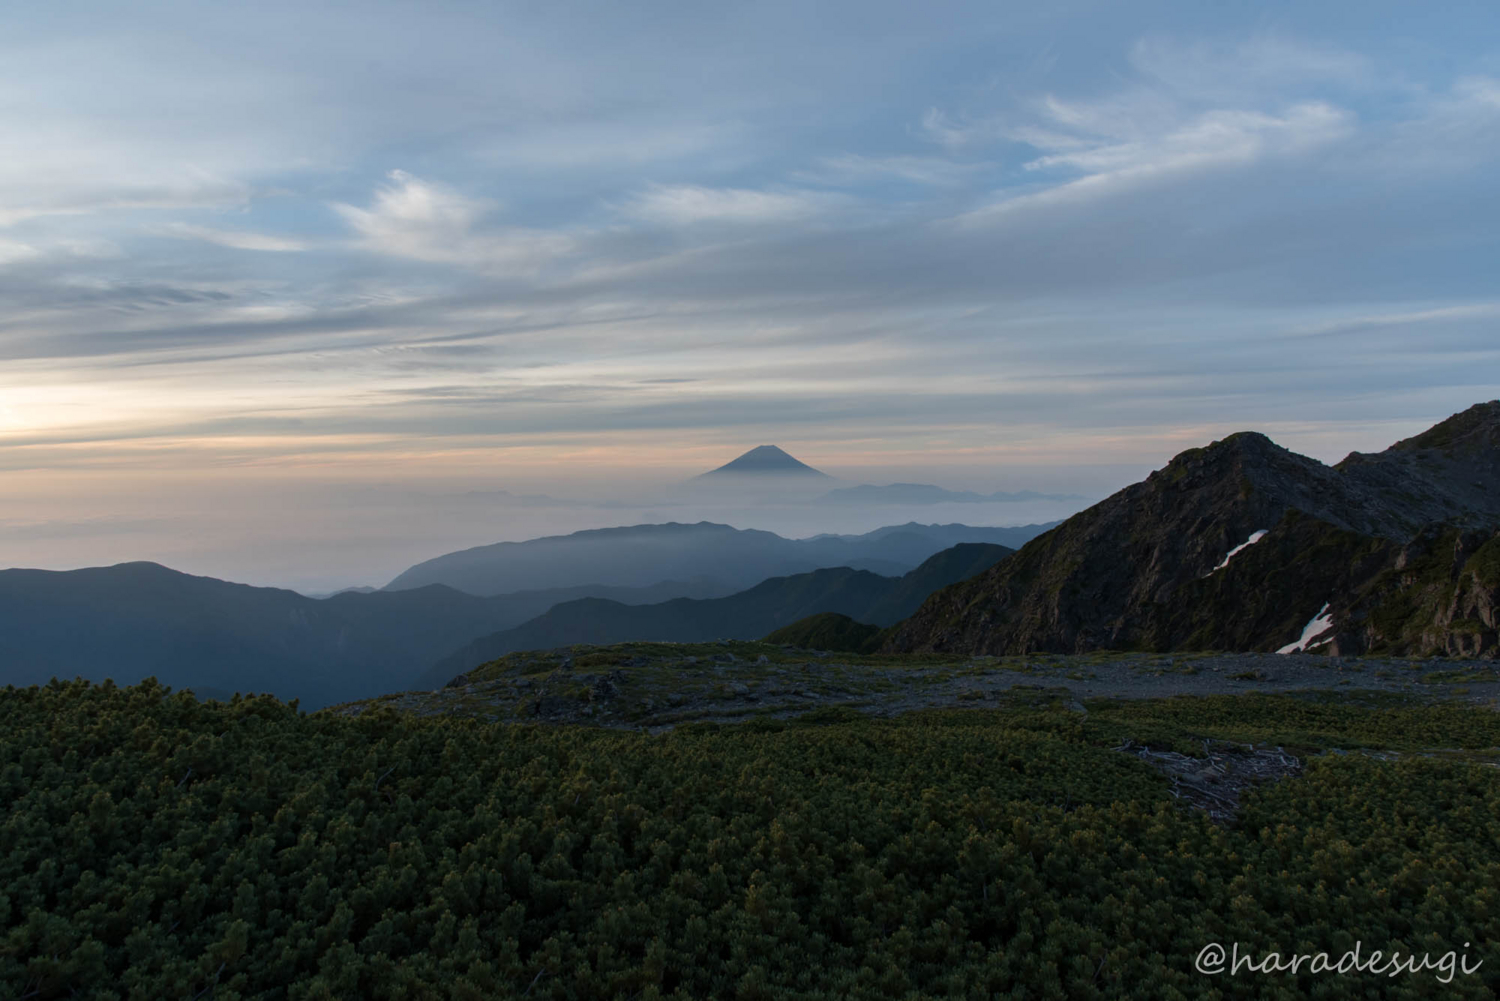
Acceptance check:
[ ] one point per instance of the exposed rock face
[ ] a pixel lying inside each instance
(1437, 595)
(1400, 545)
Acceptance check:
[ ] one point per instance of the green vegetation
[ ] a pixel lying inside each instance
(159, 847)
(1485, 563)
(1458, 677)
(829, 631)
(1284, 720)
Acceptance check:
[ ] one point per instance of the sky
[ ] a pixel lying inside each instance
(303, 293)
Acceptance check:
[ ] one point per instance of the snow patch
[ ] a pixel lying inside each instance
(1315, 627)
(1255, 537)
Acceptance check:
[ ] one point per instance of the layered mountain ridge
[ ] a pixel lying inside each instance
(750, 614)
(135, 620)
(1397, 550)
(734, 559)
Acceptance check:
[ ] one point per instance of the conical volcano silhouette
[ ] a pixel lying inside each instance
(763, 460)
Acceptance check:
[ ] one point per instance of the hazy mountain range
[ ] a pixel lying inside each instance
(134, 620)
(730, 558)
(1238, 545)
(1244, 545)
(749, 614)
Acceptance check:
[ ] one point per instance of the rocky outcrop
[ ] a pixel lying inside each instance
(1238, 545)
(1437, 596)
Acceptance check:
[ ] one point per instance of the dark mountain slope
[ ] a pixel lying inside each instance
(134, 620)
(773, 603)
(1449, 473)
(957, 563)
(747, 615)
(1144, 569)
(828, 631)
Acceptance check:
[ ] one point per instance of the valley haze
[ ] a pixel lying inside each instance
(382, 528)
(1237, 545)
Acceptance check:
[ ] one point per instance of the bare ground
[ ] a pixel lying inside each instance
(656, 686)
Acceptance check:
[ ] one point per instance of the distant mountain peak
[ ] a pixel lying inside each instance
(764, 459)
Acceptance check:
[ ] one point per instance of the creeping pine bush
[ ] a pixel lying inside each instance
(157, 847)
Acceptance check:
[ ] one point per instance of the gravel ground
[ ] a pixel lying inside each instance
(658, 686)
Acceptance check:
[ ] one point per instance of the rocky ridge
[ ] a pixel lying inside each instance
(1399, 549)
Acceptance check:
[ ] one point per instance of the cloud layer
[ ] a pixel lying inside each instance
(960, 238)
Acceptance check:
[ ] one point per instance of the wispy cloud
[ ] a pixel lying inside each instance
(1412, 318)
(15, 250)
(49, 188)
(1165, 125)
(431, 222)
(926, 170)
(235, 239)
(685, 204)
(957, 133)
(1214, 139)
(42, 249)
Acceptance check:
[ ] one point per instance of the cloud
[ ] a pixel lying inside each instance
(50, 248)
(14, 250)
(409, 209)
(1417, 319)
(957, 134)
(1183, 109)
(1479, 92)
(1213, 139)
(416, 219)
(1150, 227)
(50, 188)
(609, 144)
(236, 240)
(926, 170)
(1122, 142)
(686, 204)
(1449, 131)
